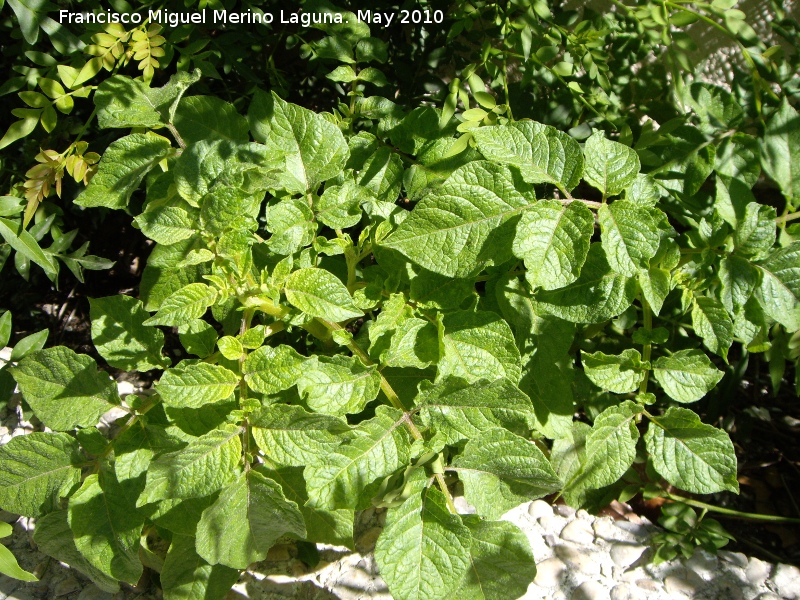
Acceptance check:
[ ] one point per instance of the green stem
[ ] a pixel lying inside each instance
(730, 512)
(786, 218)
(646, 348)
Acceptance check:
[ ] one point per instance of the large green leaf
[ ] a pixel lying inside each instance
(350, 474)
(686, 375)
(779, 290)
(26, 245)
(199, 166)
(738, 278)
(780, 150)
(8, 562)
(621, 373)
(35, 471)
(630, 235)
(122, 168)
(424, 551)
(107, 526)
(691, 455)
(338, 385)
(291, 223)
(163, 276)
(184, 305)
(712, 323)
(65, 389)
(249, 516)
(208, 117)
(501, 470)
(120, 336)
(195, 385)
(553, 240)
(755, 231)
(307, 148)
(611, 445)
(186, 576)
(319, 293)
(270, 370)
(340, 205)
(478, 345)
(609, 166)
(204, 466)
(502, 564)
(466, 223)
(541, 152)
(167, 224)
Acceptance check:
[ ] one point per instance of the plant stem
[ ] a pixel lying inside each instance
(646, 348)
(730, 512)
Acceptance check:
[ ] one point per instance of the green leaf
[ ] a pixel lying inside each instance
(107, 527)
(686, 375)
(65, 389)
(478, 346)
(203, 467)
(553, 240)
(270, 370)
(382, 174)
(122, 168)
(738, 278)
(19, 129)
(620, 373)
(290, 436)
(541, 152)
(249, 516)
(502, 564)
(5, 328)
(26, 245)
(501, 470)
(460, 412)
(691, 455)
(29, 344)
(598, 294)
(413, 344)
(166, 224)
(780, 150)
(305, 147)
(466, 223)
(755, 231)
(186, 576)
(350, 475)
(338, 385)
(424, 551)
(340, 205)
(208, 117)
(630, 235)
(35, 471)
(54, 537)
(120, 336)
(195, 385)
(292, 225)
(200, 165)
(162, 276)
(611, 445)
(198, 337)
(712, 323)
(779, 290)
(716, 107)
(185, 305)
(319, 293)
(655, 284)
(8, 562)
(609, 166)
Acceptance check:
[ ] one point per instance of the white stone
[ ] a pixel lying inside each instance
(125, 388)
(565, 511)
(582, 514)
(639, 531)
(580, 559)
(606, 529)
(591, 590)
(539, 508)
(703, 564)
(463, 507)
(786, 580)
(622, 591)
(678, 585)
(757, 571)
(552, 524)
(736, 558)
(767, 596)
(92, 592)
(624, 555)
(648, 584)
(549, 572)
(578, 531)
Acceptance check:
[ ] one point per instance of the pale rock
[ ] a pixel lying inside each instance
(703, 564)
(578, 531)
(648, 584)
(366, 541)
(67, 586)
(125, 387)
(92, 592)
(549, 572)
(462, 506)
(552, 524)
(607, 570)
(584, 515)
(786, 580)
(757, 571)
(539, 508)
(622, 591)
(678, 585)
(356, 581)
(641, 531)
(624, 555)
(736, 558)
(551, 540)
(585, 562)
(767, 596)
(590, 590)
(606, 529)
(565, 511)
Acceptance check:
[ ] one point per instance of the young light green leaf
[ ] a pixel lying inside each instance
(611, 445)
(305, 147)
(382, 174)
(655, 284)
(338, 385)
(206, 465)
(620, 373)
(691, 455)
(609, 166)
(122, 168)
(107, 526)
(500, 470)
(292, 225)
(424, 551)
(466, 223)
(779, 289)
(270, 370)
(686, 375)
(249, 516)
(166, 224)
(198, 337)
(208, 117)
(26, 245)
(350, 475)
(184, 305)
(712, 323)
(65, 389)
(186, 576)
(415, 343)
(29, 344)
(553, 240)
(502, 564)
(8, 562)
(195, 385)
(162, 276)
(200, 165)
(541, 152)
(5, 328)
(319, 293)
(780, 150)
(288, 435)
(630, 235)
(120, 336)
(738, 278)
(340, 205)
(478, 345)
(755, 231)
(35, 470)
